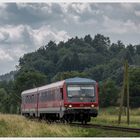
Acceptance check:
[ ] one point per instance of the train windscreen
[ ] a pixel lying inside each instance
(81, 93)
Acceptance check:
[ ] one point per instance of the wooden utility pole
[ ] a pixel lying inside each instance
(125, 93)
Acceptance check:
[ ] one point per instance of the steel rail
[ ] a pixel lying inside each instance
(99, 126)
(107, 127)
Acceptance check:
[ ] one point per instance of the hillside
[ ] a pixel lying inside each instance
(8, 76)
(95, 58)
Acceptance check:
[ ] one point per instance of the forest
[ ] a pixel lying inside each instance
(95, 58)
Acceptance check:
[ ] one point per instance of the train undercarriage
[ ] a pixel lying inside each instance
(69, 116)
(79, 115)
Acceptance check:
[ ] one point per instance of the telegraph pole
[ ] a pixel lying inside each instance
(125, 92)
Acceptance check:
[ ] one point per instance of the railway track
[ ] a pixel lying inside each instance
(107, 127)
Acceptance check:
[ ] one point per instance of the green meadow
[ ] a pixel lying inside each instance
(19, 126)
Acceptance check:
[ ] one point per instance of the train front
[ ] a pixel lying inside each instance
(81, 100)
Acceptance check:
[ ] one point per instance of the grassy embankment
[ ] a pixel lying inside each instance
(18, 126)
(109, 116)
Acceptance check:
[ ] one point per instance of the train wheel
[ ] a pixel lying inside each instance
(85, 122)
(69, 121)
(62, 120)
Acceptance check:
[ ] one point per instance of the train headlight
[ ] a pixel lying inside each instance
(70, 106)
(92, 105)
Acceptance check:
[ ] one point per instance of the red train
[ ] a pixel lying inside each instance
(73, 99)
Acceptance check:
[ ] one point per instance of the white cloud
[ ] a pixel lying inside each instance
(3, 5)
(4, 56)
(3, 36)
(18, 51)
(72, 12)
(128, 6)
(12, 34)
(24, 27)
(45, 33)
(36, 8)
(81, 7)
(3, 12)
(17, 40)
(120, 27)
(137, 13)
(41, 35)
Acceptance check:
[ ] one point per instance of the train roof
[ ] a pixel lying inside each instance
(29, 91)
(56, 84)
(75, 80)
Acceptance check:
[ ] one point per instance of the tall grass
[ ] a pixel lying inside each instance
(14, 125)
(19, 126)
(109, 116)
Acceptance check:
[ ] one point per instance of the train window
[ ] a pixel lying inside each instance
(55, 96)
(81, 90)
(52, 95)
(26, 99)
(73, 90)
(33, 98)
(47, 95)
(43, 96)
(29, 99)
(87, 90)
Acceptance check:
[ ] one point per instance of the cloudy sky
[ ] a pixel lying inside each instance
(24, 27)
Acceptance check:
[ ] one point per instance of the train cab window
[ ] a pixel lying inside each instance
(61, 92)
(73, 90)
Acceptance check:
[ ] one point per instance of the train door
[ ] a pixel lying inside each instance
(61, 103)
(36, 108)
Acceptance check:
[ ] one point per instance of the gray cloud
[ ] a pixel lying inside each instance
(24, 27)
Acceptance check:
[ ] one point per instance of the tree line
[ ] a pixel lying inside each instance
(96, 58)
